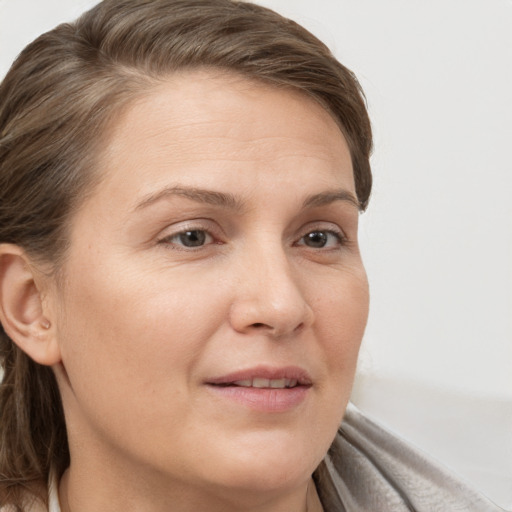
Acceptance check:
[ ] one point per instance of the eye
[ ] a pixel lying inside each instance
(322, 239)
(190, 238)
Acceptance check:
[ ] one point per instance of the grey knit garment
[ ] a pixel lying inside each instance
(368, 469)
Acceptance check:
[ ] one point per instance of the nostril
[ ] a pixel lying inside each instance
(299, 327)
(275, 331)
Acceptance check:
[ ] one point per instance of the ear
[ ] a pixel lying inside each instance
(22, 311)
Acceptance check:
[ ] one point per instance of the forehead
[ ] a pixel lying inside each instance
(189, 101)
(223, 122)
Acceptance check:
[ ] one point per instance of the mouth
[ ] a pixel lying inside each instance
(260, 382)
(264, 389)
(263, 377)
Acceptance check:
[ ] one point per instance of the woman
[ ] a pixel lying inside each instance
(181, 291)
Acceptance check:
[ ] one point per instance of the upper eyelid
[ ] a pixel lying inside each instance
(327, 226)
(168, 242)
(337, 233)
(167, 239)
(186, 230)
(206, 225)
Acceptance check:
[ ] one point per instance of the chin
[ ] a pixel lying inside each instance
(266, 479)
(271, 464)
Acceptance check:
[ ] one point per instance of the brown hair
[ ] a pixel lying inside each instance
(56, 102)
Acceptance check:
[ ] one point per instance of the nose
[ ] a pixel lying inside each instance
(268, 296)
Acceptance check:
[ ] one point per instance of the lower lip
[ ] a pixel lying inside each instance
(264, 399)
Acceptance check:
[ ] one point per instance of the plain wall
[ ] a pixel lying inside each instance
(437, 239)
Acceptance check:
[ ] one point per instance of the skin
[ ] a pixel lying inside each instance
(142, 321)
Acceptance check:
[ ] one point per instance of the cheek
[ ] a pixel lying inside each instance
(125, 330)
(131, 344)
(345, 304)
(343, 314)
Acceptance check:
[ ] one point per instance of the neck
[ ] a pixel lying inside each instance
(75, 496)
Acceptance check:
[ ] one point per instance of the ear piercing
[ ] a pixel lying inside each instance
(45, 324)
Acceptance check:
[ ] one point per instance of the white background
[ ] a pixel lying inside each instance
(436, 361)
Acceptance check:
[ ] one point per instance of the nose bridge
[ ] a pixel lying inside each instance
(270, 296)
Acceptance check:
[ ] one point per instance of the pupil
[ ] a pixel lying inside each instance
(316, 239)
(192, 238)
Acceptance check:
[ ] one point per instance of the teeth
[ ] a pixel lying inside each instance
(244, 383)
(259, 382)
(278, 383)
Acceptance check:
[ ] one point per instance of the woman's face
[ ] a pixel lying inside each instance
(214, 297)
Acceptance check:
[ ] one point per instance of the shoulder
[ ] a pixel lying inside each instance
(368, 468)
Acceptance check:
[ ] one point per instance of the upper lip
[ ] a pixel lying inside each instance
(265, 372)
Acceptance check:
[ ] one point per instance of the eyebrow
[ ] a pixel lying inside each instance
(331, 196)
(229, 201)
(195, 194)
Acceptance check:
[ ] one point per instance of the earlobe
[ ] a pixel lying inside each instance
(22, 313)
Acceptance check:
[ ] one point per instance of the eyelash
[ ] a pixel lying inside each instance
(338, 235)
(340, 238)
(168, 240)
